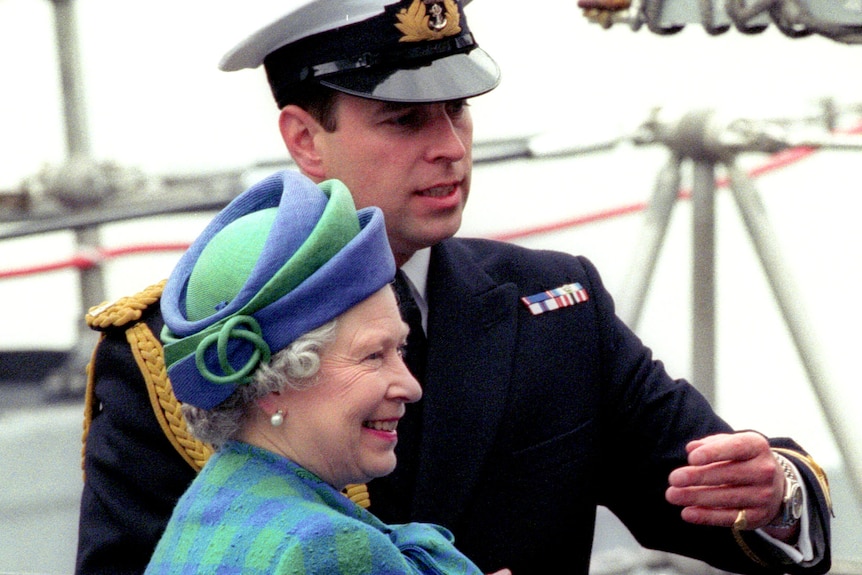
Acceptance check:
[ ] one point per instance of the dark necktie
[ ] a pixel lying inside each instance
(417, 346)
(392, 495)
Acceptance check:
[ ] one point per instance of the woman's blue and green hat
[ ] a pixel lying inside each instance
(283, 258)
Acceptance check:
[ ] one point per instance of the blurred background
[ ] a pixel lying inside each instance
(570, 150)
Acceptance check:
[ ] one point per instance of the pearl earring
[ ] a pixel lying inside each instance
(277, 418)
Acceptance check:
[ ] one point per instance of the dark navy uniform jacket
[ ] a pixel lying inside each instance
(527, 423)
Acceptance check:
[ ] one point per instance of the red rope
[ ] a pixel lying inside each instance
(570, 223)
(143, 249)
(776, 161)
(87, 260)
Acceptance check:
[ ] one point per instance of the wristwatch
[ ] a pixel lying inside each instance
(791, 506)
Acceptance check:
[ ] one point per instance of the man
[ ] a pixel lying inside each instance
(539, 404)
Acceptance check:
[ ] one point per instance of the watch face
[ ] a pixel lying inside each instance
(796, 502)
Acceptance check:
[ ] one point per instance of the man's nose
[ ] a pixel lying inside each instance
(447, 141)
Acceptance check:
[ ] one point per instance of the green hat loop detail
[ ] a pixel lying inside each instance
(230, 329)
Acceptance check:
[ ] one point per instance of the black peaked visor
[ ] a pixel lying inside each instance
(454, 77)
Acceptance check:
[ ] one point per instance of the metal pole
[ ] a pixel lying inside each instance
(784, 289)
(703, 278)
(92, 287)
(65, 28)
(656, 219)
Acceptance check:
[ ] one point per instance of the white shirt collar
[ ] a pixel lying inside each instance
(416, 270)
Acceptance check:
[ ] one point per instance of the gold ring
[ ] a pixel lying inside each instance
(741, 523)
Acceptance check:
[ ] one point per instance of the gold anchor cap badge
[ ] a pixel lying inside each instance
(426, 20)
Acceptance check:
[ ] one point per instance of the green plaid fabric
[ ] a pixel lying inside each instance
(251, 511)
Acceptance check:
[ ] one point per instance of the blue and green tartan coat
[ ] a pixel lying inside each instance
(252, 511)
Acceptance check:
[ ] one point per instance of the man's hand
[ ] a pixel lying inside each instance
(726, 474)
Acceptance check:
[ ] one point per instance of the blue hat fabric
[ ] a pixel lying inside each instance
(283, 258)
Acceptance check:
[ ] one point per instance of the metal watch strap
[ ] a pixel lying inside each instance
(788, 515)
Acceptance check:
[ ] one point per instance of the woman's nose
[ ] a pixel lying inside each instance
(406, 385)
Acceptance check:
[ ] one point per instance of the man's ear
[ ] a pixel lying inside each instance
(298, 130)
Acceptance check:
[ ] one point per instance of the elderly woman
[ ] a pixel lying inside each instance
(283, 340)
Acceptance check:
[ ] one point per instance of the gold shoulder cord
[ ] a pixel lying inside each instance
(818, 472)
(149, 356)
(147, 351)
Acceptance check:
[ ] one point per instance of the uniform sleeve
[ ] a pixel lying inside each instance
(819, 509)
(651, 417)
(133, 476)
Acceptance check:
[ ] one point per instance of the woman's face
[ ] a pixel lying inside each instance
(344, 427)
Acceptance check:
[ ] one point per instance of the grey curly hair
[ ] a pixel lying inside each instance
(294, 366)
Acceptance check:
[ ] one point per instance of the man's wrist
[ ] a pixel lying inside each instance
(792, 501)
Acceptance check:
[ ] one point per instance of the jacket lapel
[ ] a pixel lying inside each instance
(471, 327)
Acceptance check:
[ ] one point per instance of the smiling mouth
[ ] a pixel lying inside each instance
(381, 425)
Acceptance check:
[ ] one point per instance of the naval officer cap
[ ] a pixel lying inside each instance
(412, 51)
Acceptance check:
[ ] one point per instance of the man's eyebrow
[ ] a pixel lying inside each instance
(385, 107)
(395, 106)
